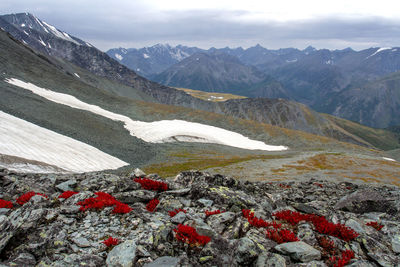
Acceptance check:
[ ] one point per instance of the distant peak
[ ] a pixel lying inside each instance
(309, 49)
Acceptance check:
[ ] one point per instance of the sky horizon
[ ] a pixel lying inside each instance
(134, 24)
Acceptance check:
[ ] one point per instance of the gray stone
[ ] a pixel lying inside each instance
(385, 260)
(299, 251)
(267, 205)
(268, 259)
(313, 264)
(81, 242)
(165, 261)
(219, 221)
(396, 243)
(246, 251)
(361, 263)
(67, 185)
(179, 218)
(122, 255)
(137, 173)
(177, 192)
(135, 196)
(205, 202)
(353, 224)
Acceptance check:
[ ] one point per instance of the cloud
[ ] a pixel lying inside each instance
(135, 24)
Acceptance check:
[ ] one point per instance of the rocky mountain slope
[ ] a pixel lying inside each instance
(201, 219)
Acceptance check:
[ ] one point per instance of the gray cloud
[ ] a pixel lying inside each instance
(107, 25)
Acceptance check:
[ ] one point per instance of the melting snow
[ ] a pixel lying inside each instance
(23, 25)
(76, 74)
(146, 55)
(389, 159)
(379, 50)
(291, 61)
(41, 41)
(58, 33)
(26, 33)
(119, 57)
(158, 131)
(24, 139)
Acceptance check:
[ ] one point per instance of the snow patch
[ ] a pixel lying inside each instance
(88, 44)
(389, 159)
(119, 57)
(157, 131)
(329, 62)
(394, 50)
(49, 45)
(146, 55)
(41, 41)
(26, 33)
(76, 74)
(26, 140)
(379, 50)
(23, 25)
(58, 33)
(291, 60)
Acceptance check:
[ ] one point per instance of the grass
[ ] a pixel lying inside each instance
(210, 96)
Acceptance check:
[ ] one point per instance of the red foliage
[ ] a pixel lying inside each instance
(258, 222)
(318, 184)
(67, 194)
(328, 246)
(103, 200)
(152, 205)
(149, 184)
(345, 258)
(172, 213)
(376, 225)
(321, 224)
(209, 213)
(281, 236)
(27, 196)
(4, 204)
(286, 186)
(188, 234)
(111, 241)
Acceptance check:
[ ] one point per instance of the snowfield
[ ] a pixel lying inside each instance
(26, 140)
(158, 131)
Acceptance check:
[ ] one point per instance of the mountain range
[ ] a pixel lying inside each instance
(79, 70)
(326, 80)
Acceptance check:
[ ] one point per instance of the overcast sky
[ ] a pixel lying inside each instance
(206, 23)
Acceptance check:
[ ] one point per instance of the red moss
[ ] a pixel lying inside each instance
(27, 196)
(152, 205)
(376, 225)
(341, 261)
(111, 242)
(4, 204)
(281, 236)
(103, 200)
(209, 213)
(321, 224)
(188, 234)
(149, 184)
(172, 213)
(67, 194)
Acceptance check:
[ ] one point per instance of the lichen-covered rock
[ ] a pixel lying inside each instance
(165, 261)
(246, 251)
(299, 251)
(122, 255)
(268, 259)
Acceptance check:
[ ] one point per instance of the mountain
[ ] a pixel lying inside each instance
(152, 60)
(220, 72)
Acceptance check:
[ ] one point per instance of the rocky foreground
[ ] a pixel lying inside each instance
(45, 230)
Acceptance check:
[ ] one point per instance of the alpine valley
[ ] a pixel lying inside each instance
(316, 131)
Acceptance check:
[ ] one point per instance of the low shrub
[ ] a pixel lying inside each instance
(149, 184)
(27, 196)
(189, 235)
(67, 194)
(152, 205)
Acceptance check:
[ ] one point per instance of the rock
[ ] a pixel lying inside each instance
(353, 224)
(137, 173)
(299, 251)
(396, 243)
(313, 264)
(361, 263)
(364, 201)
(305, 208)
(177, 192)
(165, 261)
(122, 255)
(306, 234)
(81, 242)
(135, 196)
(85, 260)
(267, 259)
(179, 218)
(385, 260)
(246, 251)
(220, 221)
(67, 185)
(205, 202)
(23, 259)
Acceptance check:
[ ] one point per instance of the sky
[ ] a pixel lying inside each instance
(274, 24)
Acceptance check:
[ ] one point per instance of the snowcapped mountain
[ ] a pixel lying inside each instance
(151, 60)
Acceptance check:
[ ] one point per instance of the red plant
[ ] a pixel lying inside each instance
(27, 196)
(328, 246)
(149, 184)
(281, 236)
(318, 184)
(67, 194)
(209, 213)
(103, 200)
(258, 222)
(321, 224)
(286, 186)
(4, 204)
(188, 234)
(111, 242)
(344, 259)
(152, 205)
(376, 225)
(172, 213)
(121, 208)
